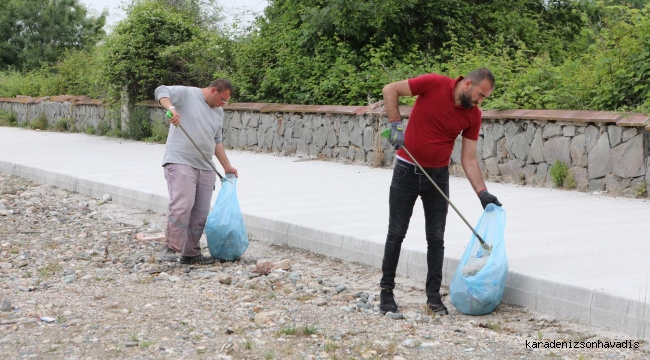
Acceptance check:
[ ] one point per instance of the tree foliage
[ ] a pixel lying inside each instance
(33, 32)
(154, 46)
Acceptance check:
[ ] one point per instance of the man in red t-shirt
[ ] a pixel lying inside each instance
(444, 109)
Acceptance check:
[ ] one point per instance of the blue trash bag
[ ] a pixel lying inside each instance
(478, 283)
(225, 229)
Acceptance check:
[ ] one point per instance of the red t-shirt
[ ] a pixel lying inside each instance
(436, 121)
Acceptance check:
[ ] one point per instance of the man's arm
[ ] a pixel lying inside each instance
(473, 173)
(220, 153)
(392, 92)
(470, 165)
(164, 94)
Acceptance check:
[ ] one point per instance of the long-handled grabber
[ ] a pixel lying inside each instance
(170, 115)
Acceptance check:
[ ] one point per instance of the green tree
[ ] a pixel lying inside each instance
(155, 46)
(33, 32)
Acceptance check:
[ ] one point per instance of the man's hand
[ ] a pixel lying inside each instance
(396, 134)
(231, 170)
(487, 198)
(176, 118)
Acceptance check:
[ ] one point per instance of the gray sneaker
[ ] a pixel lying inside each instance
(167, 254)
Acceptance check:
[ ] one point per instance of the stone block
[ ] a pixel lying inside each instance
(647, 175)
(581, 178)
(569, 131)
(319, 137)
(520, 146)
(579, 151)
(359, 155)
(235, 120)
(251, 137)
(344, 134)
(627, 158)
(615, 135)
(343, 153)
(558, 148)
(520, 290)
(567, 301)
(537, 148)
(356, 136)
(629, 133)
(492, 165)
(306, 135)
(513, 170)
(497, 131)
(597, 184)
(489, 145)
(502, 152)
(592, 134)
(529, 174)
(511, 129)
(551, 130)
(530, 131)
(332, 140)
(599, 158)
(368, 138)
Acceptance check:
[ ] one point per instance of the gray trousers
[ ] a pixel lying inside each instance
(190, 194)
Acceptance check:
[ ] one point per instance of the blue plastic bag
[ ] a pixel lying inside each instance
(478, 283)
(225, 229)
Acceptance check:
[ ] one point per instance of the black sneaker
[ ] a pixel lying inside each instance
(436, 306)
(197, 260)
(387, 301)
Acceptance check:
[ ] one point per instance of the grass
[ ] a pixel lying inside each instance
(641, 189)
(248, 344)
(330, 346)
(159, 132)
(8, 118)
(309, 330)
(49, 270)
(39, 123)
(289, 330)
(269, 355)
(561, 175)
(144, 344)
(492, 326)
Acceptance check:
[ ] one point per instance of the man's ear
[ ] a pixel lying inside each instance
(467, 84)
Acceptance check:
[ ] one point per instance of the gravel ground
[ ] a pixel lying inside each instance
(76, 284)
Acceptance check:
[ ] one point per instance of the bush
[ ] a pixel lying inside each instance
(559, 172)
(61, 125)
(39, 123)
(159, 132)
(8, 118)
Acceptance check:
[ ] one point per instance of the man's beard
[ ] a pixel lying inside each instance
(466, 101)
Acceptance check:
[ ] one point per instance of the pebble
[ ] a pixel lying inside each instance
(320, 301)
(130, 304)
(6, 305)
(394, 316)
(69, 279)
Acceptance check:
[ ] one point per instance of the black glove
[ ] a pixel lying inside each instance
(487, 198)
(396, 134)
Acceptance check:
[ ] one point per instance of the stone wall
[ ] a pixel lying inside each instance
(605, 151)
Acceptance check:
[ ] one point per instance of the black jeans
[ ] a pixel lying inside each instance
(409, 183)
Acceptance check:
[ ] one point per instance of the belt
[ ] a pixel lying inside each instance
(416, 170)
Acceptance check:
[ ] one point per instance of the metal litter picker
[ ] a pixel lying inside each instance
(170, 115)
